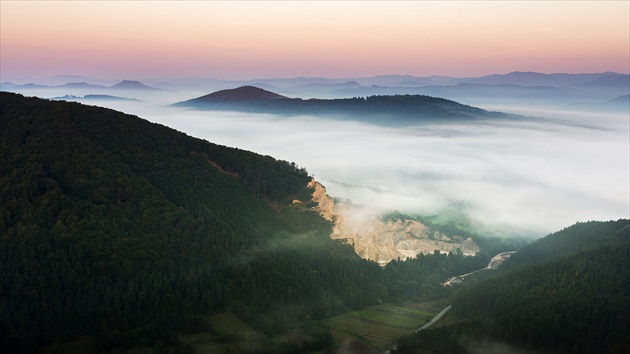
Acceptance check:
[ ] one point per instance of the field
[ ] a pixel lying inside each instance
(377, 328)
(371, 330)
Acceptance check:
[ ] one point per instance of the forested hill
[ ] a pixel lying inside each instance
(129, 233)
(125, 230)
(394, 110)
(569, 241)
(566, 293)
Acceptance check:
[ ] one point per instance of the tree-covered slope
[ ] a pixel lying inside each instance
(579, 237)
(119, 228)
(568, 293)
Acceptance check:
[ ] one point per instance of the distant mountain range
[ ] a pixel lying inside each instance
(386, 110)
(514, 78)
(530, 78)
(568, 86)
(553, 90)
(306, 85)
(619, 104)
(123, 85)
(94, 97)
(557, 91)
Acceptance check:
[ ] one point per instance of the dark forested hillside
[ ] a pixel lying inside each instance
(119, 228)
(566, 293)
(130, 233)
(569, 241)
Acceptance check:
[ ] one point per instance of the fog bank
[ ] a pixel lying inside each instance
(531, 176)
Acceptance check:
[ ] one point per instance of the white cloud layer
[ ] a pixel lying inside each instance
(530, 176)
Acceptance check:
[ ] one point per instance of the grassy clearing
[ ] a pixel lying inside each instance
(370, 330)
(378, 326)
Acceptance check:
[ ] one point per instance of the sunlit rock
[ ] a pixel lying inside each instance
(381, 239)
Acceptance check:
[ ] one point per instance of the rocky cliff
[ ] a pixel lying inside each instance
(324, 204)
(382, 240)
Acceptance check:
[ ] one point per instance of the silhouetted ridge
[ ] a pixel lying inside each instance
(621, 99)
(385, 110)
(243, 93)
(81, 85)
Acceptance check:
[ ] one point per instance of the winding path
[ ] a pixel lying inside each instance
(435, 319)
(494, 263)
(426, 325)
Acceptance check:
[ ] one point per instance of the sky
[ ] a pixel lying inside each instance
(263, 39)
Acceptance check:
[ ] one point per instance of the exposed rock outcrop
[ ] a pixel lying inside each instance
(383, 240)
(325, 205)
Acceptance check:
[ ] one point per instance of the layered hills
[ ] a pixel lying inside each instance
(556, 91)
(94, 98)
(385, 110)
(122, 85)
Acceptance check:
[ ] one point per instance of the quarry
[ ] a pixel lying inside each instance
(381, 239)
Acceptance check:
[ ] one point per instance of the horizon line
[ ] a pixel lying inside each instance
(123, 78)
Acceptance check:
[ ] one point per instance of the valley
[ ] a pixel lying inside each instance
(376, 329)
(317, 177)
(284, 267)
(370, 330)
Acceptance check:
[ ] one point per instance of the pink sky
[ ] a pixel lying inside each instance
(260, 39)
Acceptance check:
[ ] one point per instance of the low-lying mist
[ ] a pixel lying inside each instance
(506, 177)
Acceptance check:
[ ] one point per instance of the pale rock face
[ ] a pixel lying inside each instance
(383, 241)
(325, 204)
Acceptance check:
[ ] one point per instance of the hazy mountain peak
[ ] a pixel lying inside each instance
(352, 83)
(132, 85)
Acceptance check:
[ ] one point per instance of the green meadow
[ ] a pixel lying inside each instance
(371, 330)
(377, 328)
